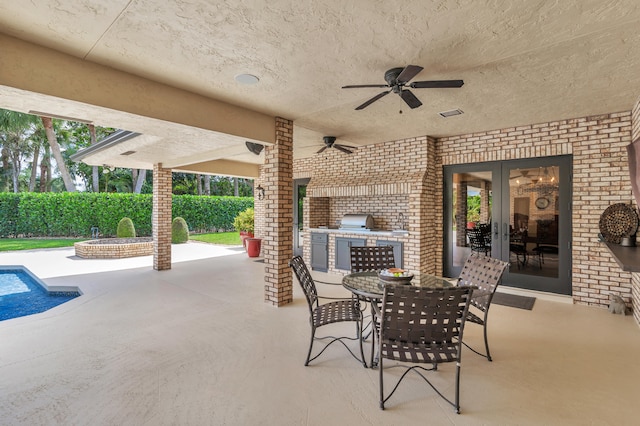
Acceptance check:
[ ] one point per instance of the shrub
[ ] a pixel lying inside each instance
(179, 231)
(126, 228)
(50, 214)
(244, 221)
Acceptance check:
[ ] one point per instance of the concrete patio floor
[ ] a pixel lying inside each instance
(196, 345)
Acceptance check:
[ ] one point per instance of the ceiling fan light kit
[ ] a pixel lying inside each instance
(398, 82)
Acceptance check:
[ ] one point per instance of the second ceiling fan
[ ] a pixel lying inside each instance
(398, 82)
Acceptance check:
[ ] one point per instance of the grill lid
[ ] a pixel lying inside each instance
(357, 221)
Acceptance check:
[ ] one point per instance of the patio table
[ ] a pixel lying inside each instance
(369, 287)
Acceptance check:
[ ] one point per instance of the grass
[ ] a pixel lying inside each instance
(12, 244)
(226, 238)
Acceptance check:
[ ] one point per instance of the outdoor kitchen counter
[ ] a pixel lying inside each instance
(359, 232)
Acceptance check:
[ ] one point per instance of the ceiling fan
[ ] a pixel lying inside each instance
(330, 142)
(398, 80)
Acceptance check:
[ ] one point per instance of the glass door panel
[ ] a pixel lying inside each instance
(299, 193)
(470, 225)
(533, 222)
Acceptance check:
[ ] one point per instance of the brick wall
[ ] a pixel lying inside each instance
(600, 178)
(353, 183)
(99, 249)
(161, 218)
(277, 211)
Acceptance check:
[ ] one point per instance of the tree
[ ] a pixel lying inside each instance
(47, 122)
(95, 177)
(17, 129)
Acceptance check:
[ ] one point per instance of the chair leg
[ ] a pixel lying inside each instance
(486, 341)
(313, 334)
(457, 403)
(360, 338)
(381, 383)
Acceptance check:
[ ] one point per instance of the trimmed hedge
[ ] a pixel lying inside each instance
(72, 214)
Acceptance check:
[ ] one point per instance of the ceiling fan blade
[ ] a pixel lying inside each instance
(372, 100)
(410, 99)
(322, 149)
(436, 84)
(357, 86)
(408, 73)
(342, 148)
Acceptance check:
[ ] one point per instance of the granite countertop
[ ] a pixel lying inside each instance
(627, 257)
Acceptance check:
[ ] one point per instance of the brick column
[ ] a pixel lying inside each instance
(277, 174)
(161, 218)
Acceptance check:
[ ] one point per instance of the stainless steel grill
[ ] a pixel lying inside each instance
(360, 221)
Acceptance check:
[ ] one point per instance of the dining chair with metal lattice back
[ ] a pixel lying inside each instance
(485, 273)
(376, 258)
(421, 326)
(336, 311)
(372, 258)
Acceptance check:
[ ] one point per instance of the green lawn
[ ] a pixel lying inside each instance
(226, 238)
(11, 244)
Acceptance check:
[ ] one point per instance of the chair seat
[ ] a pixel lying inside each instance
(338, 311)
(428, 353)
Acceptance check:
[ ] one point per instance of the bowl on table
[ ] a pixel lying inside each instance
(395, 276)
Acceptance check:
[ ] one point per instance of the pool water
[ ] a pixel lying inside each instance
(22, 293)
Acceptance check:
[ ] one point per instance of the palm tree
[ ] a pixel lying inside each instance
(47, 122)
(16, 129)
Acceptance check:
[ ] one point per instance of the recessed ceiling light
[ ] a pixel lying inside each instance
(247, 79)
(451, 113)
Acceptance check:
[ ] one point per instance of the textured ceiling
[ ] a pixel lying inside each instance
(522, 62)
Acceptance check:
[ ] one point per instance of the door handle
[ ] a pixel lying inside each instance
(505, 233)
(496, 230)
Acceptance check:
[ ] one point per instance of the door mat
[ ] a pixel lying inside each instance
(513, 300)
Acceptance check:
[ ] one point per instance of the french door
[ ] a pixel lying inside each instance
(518, 211)
(299, 193)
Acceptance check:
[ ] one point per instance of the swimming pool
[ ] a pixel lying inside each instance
(22, 293)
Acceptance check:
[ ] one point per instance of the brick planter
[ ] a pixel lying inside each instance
(114, 248)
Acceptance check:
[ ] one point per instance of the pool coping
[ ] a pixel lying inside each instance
(34, 277)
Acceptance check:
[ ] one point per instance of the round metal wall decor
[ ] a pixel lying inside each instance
(617, 221)
(542, 203)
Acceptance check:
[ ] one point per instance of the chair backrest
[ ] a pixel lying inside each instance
(424, 316)
(485, 273)
(372, 258)
(477, 239)
(306, 281)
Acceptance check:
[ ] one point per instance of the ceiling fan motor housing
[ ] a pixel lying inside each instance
(329, 140)
(391, 76)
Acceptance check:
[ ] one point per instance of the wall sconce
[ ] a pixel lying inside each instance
(260, 192)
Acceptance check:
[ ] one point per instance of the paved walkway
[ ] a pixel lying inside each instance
(51, 263)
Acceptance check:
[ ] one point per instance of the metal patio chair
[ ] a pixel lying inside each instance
(338, 310)
(372, 258)
(479, 240)
(421, 326)
(364, 259)
(484, 273)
